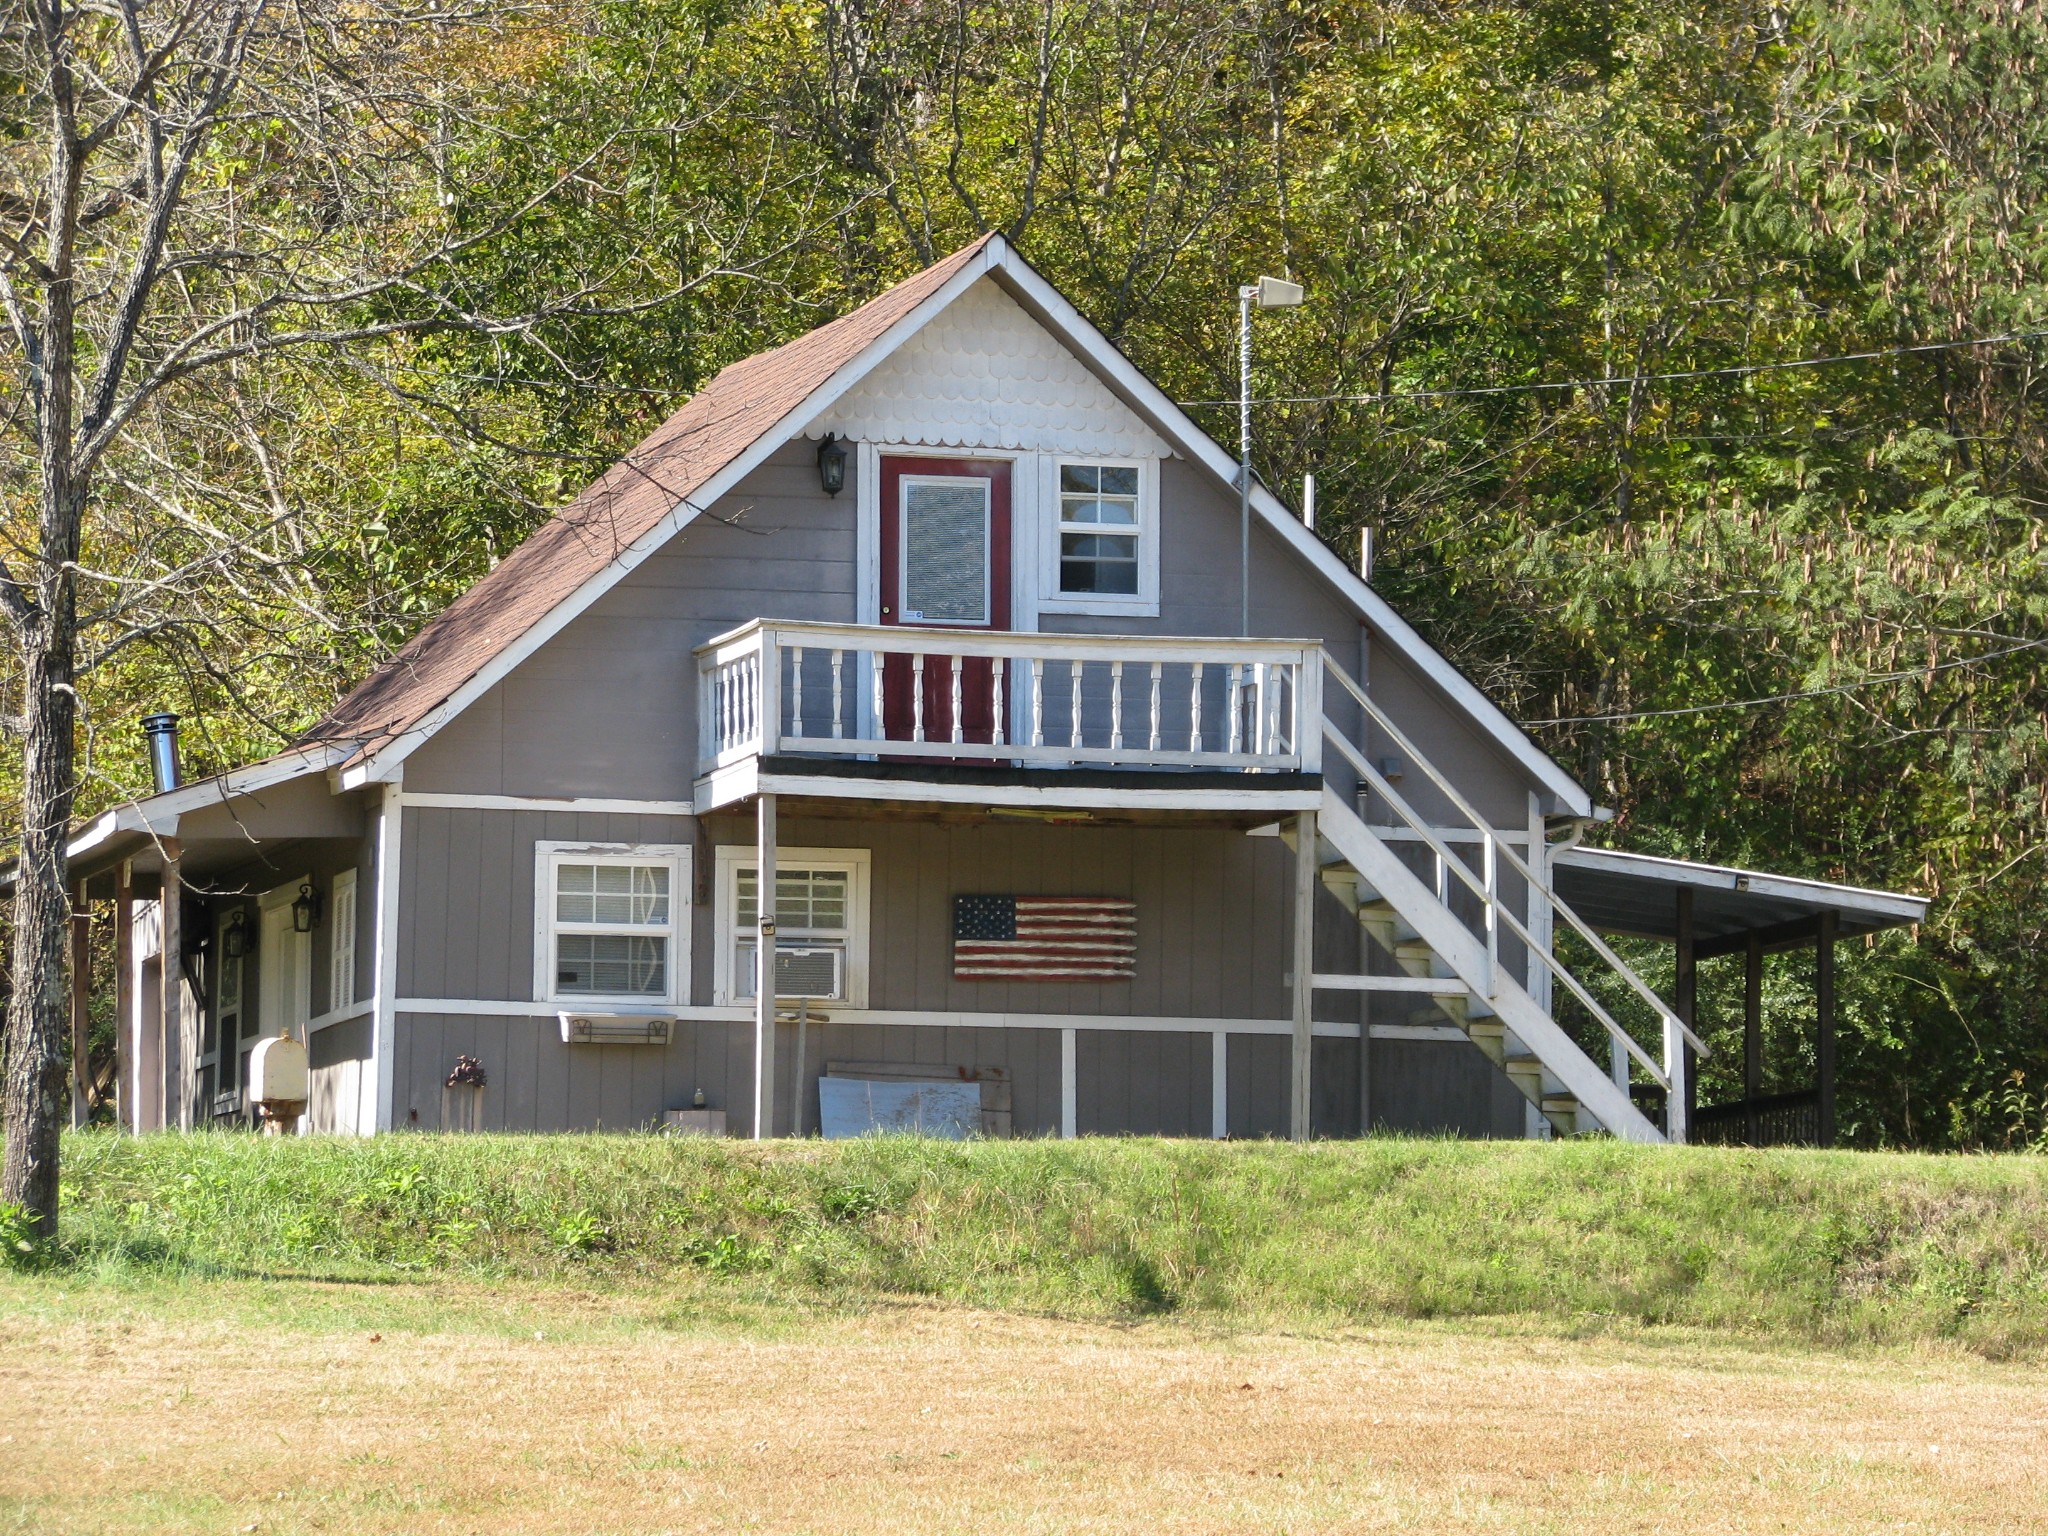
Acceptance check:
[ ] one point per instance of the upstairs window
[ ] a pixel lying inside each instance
(613, 922)
(1099, 530)
(1101, 539)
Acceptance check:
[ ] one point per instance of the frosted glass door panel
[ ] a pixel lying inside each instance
(946, 551)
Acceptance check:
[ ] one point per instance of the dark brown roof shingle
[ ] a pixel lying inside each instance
(718, 424)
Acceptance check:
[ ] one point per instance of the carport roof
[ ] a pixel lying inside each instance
(1637, 894)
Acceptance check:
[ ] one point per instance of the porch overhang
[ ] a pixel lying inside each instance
(214, 822)
(1636, 895)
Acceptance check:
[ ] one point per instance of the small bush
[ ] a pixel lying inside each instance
(22, 1245)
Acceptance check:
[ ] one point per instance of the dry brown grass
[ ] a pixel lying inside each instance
(548, 1412)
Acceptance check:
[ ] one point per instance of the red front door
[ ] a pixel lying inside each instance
(945, 565)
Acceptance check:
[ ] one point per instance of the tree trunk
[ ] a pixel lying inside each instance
(36, 1101)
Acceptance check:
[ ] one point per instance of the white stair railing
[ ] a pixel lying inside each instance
(1496, 852)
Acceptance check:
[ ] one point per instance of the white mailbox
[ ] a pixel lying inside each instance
(277, 1078)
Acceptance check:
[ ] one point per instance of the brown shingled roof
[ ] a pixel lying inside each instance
(720, 422)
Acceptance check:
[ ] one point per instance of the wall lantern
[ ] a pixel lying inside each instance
(234, 939)
(831, 465)
(306, 910)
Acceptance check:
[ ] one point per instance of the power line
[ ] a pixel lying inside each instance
(1736, 371)
(1807, 693)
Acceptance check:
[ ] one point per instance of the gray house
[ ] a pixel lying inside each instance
(929, 623)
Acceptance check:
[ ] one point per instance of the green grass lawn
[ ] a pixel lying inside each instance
(1811, 1247)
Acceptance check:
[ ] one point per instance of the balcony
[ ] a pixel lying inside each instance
(878, 712)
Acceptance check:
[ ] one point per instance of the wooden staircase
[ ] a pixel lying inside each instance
(1413, 956)
(1453, 967)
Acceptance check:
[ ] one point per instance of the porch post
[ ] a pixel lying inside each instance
(1753, 1035)
(125, 1002)
(1070, 1114)
(1219, 1086)
(1678, 1056)
(81, 1001)
(764, 968)
(390, 855)
(177, 1107)
(1304, 970)
(1824, 1007)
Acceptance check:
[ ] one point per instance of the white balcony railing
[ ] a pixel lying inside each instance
(770, 688)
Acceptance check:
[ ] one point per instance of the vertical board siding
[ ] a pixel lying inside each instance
(1432, 1087)
(1258, 1085)
(1213, 914)
(627, 1088)
(607, 708)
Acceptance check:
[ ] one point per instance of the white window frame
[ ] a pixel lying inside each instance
(858, 864)
(549, 855)
(1145, 604)
(342, 928)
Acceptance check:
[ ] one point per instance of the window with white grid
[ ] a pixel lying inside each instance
(821, 929)
(1103, 548)
(612, 922)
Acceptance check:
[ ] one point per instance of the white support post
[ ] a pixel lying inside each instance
(1069, 1115)
(173, 1097)
(768, 698)
(127, 1043)
(1304, 973)
(764, 968)
(1539, 907)
(1678, 1068)
(384, 1047)
(1219, 1086)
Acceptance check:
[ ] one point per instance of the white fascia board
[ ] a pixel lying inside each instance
(1723, 877)
(381, 765)
(1052, 310)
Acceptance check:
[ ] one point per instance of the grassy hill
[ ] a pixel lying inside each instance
(1830, 1247)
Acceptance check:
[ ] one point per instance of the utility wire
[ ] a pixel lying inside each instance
(1736, 371)
(1807, 693)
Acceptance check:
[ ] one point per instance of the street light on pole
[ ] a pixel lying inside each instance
(1266, 293)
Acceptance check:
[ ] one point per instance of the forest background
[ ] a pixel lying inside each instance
(1789, 616)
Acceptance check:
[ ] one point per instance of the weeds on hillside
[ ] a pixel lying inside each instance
(1827, 1246)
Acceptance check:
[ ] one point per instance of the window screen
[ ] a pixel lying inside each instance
(945, 551)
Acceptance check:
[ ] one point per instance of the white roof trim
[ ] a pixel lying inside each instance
(1053, 310)
(382, 765)
(1722, 877)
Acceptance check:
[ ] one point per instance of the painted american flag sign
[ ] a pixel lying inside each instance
(1044, 938)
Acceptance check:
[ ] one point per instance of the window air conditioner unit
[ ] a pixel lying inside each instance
(614, 1029)
(813, 971)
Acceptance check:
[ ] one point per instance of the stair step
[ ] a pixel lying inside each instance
(1490, 1036)
(1562, 1111)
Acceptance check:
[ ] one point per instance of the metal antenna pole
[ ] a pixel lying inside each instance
(1245, 296)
